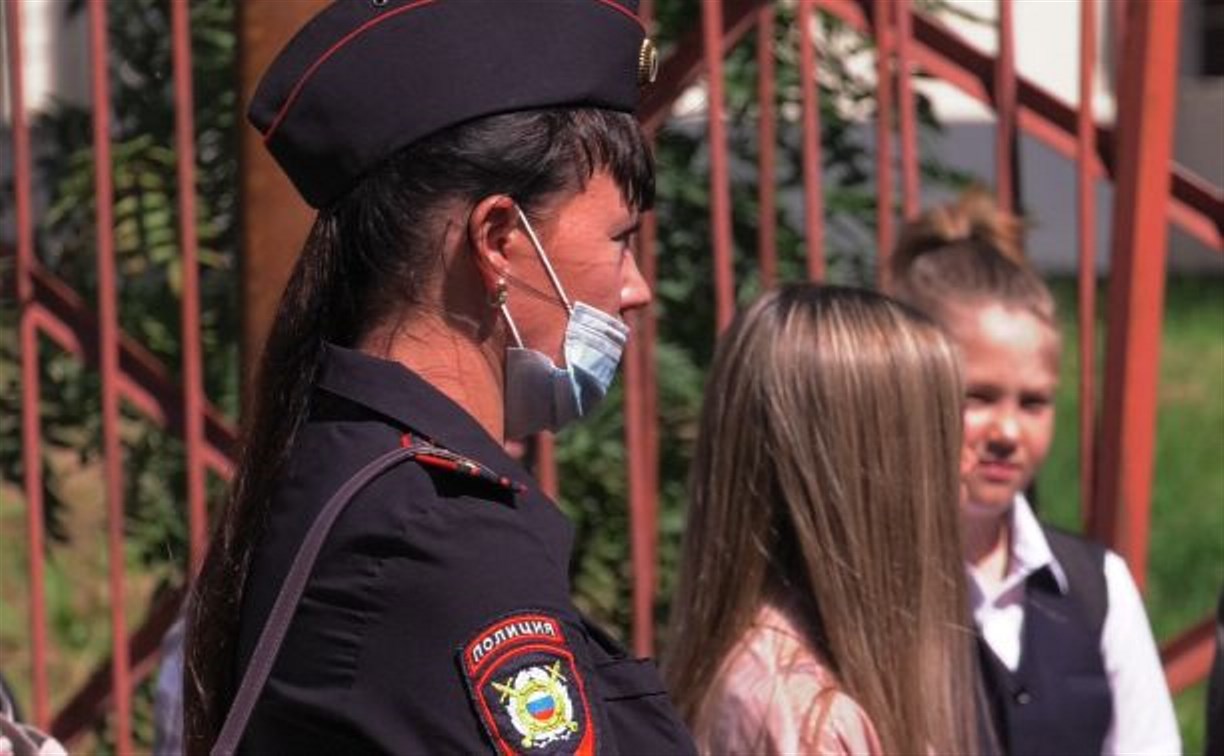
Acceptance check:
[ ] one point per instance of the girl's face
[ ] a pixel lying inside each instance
(1010, 361)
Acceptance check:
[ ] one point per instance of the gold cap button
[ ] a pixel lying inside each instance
(648, 63)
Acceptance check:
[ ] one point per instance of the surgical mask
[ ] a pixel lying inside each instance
(541, 396)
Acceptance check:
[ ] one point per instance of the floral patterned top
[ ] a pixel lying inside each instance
(774, 695)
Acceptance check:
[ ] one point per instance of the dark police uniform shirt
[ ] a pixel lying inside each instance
(438, 617)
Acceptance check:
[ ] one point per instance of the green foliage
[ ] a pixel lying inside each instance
(591, 457)
(145, 233)
(146, 223)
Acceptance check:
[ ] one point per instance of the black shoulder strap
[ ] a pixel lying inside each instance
(1083, 561)
(274, 629)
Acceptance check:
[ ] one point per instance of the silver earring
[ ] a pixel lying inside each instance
(498, 296)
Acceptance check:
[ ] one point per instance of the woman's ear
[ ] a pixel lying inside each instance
(491, 227)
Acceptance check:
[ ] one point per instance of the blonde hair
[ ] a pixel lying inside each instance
(826, 470)
(968, 252)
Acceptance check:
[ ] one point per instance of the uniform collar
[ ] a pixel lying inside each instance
(1030, 548)
(391, 389)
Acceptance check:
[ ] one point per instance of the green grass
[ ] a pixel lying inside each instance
(1186, 550)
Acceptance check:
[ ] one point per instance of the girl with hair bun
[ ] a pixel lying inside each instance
(1067, 656)
(820, 606)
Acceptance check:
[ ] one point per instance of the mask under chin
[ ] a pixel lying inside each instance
(538, 395)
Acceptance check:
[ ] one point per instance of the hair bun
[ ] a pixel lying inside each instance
(972, 217)
(977, 211)
(968, 251)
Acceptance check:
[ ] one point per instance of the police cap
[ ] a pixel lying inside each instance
(365, 78)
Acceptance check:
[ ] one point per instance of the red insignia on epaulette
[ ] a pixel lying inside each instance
(445, 459)
(526, 687)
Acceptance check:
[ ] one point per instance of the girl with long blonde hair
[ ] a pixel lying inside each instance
(821, 603)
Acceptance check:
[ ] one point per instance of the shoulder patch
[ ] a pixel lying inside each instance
(525, 685)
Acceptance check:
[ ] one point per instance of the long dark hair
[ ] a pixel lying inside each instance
(368, 255)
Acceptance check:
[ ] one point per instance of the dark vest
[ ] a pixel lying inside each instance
(1215, 689)
(1058, 700)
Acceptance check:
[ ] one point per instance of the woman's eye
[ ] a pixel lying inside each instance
(627, 236)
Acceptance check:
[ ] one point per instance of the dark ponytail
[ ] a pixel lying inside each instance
(371, 255)
(288, 368)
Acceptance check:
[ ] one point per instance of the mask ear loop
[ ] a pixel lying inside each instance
(505, 311)
(539, 248)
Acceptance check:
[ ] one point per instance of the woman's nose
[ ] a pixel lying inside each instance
(635, 292)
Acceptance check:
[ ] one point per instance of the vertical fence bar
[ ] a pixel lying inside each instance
(1086, 210)
(641, 499)
(1117, 21)
(1137, 280)
(1005, 111)
(648, 244)
(813, 192)
(108, 347)
(193, 378)
(911, 188)
(648, 322)
(639, 374)
(767, 135)
(31, 429)
(720, 181)
(884, 168)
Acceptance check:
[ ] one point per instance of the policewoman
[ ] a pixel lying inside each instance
(385, 578)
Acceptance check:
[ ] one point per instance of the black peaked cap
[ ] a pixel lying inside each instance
(364, 78)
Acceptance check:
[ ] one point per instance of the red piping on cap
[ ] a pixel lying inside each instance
(297, 88)
(617, 6)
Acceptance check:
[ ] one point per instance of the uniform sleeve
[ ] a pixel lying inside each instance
(1143, 718)
(476, 645)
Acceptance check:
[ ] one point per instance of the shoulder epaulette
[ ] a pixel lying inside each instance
(439, 458)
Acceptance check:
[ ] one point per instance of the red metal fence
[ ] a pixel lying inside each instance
(1151, 192)
(129, 373)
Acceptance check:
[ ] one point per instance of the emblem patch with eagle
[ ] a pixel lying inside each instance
(526, 687)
